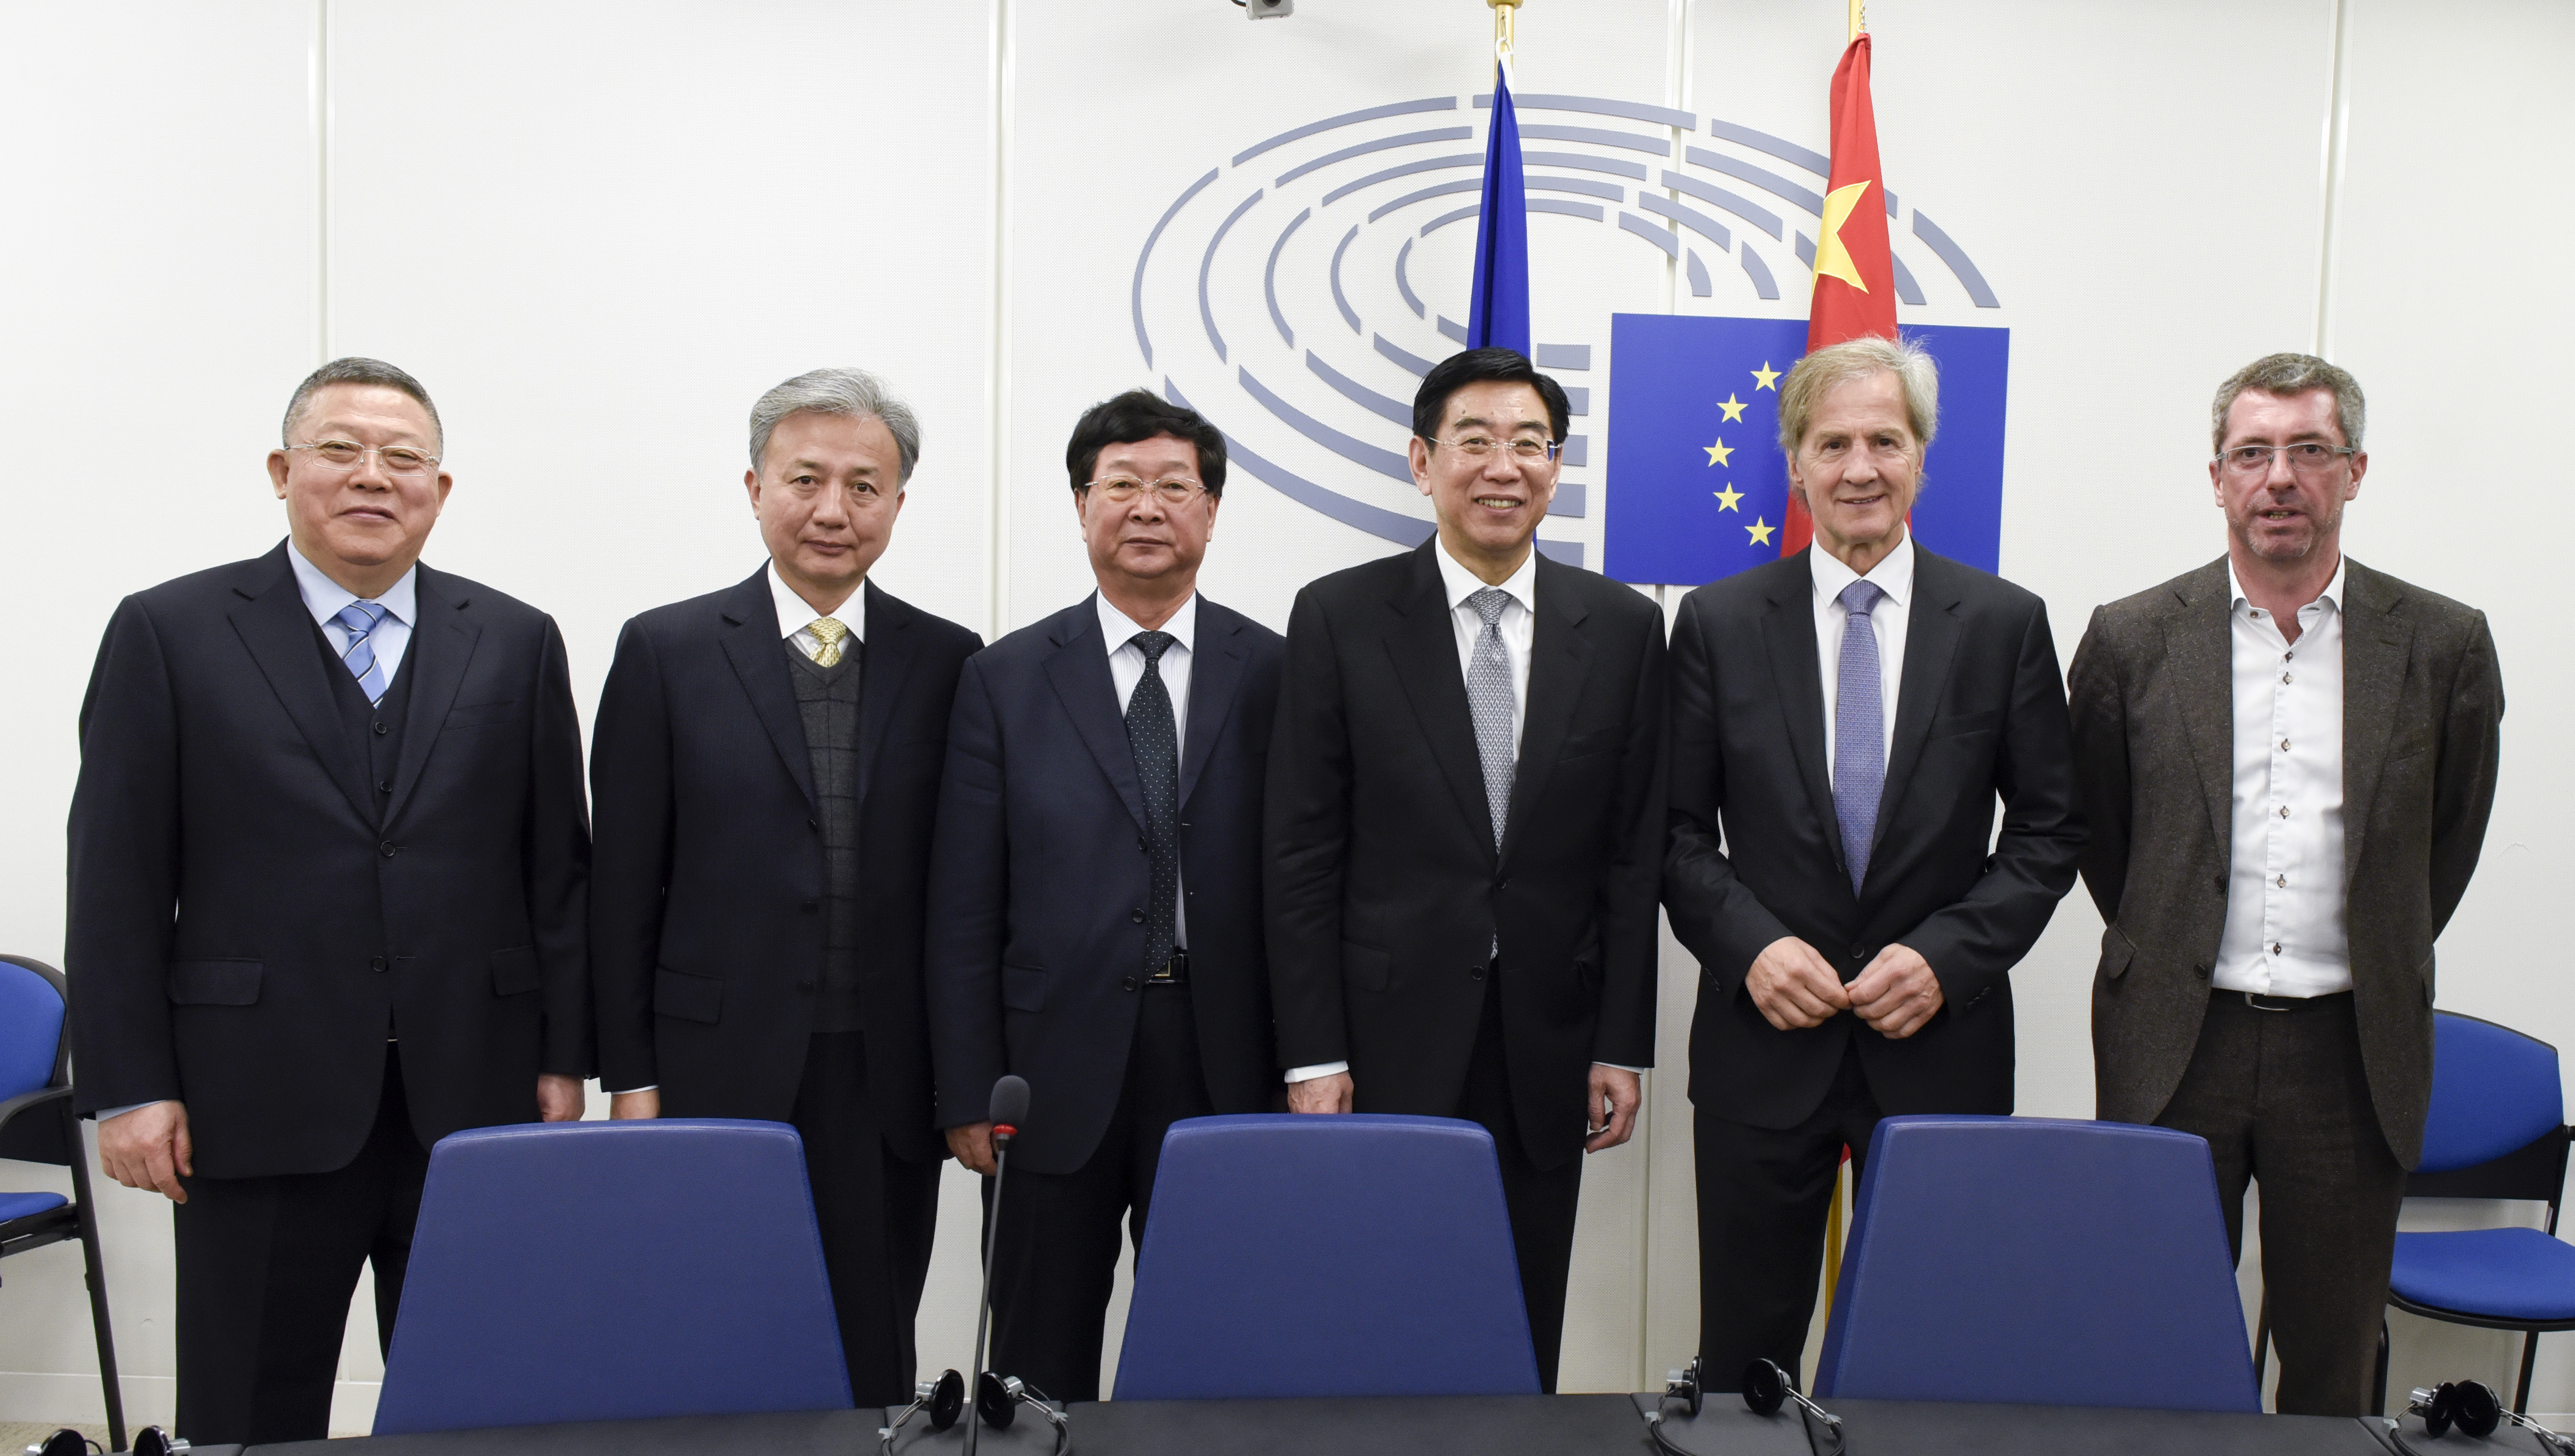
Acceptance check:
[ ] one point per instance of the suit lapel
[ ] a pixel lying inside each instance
(1214, 676)
(442, 645)
(886, 657)
(1078, 669)
(1931, 636)
(1559, 663)
(753, 642)
(2200, 645)
(2378, 642)
(278, 631)
(1788, 638)
(1424, 648)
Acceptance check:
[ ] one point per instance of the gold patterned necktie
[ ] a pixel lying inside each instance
(829, 633)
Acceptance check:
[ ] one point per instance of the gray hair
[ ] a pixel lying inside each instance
(1837, 364)
(852, 392)
(2291, 373)
(355, 370)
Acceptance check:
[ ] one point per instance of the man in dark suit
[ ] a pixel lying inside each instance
(2287, 759)
(327, 855)
(1095, 889)
(1843, 723)
(766, 766)
(1466, 813)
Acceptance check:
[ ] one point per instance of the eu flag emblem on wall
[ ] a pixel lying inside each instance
(1697, 488)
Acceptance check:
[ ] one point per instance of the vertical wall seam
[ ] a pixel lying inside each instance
(996, 386)
(2337, 142)
(322, 120)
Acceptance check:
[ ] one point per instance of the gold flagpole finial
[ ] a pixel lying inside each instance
(1858, 19)
(1504, 10)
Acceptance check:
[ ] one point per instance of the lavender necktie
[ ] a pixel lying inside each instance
(1859, 730)
(359, 620)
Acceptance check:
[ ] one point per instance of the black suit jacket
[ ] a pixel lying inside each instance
(246, 927)
(1037, 882)
(1981, 713)
(1385, 887)
(706, 899)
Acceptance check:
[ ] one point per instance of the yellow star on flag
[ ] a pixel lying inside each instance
(1764, 376)
(1726, 498)
(1733, 407)
(1760, 531)
(1832, 260)
(1719, 452)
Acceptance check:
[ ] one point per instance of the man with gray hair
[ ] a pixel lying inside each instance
(2288, 760)
(1844, 722)
(765, 765)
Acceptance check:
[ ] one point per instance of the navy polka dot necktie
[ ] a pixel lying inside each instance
(1154, 738)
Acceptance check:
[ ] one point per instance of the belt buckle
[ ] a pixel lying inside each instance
(2255, 999)
(1175, 971)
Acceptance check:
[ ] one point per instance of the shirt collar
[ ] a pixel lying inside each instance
(1115, 626)
(2331, 595)
(1893, 574)
(794, 613)
(1462, 583)
(325, 598)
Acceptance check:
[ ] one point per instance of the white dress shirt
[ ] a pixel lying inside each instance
(1127, 668)
(325, 599)
(1893, 615)
(1518, 632)
(796, 615)
(2286, 932)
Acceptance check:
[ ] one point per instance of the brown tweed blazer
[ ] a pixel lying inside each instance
(2151, 693)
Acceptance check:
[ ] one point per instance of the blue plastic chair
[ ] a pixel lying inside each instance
(2496, 1130)
(37, 1127)
(1309, 1256)
(2038, 1261)
(586, 1271)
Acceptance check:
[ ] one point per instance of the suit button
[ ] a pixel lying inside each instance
(376, 964)
(1857, 953)
(2219, 885)
(381, 729)
(1475, 972)
(387, 848)
(1141, 844)
(811, 825)
(804, 984)
(2203, 971)
(1125, 982)
(1136, 915)
(383, 785)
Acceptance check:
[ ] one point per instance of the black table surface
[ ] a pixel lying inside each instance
(1612, 1425)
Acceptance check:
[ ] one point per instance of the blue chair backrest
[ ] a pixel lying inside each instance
(2494, 1091)
(2035, 1261)
(1301, 1256)
(31, 1031)
(591, 1271)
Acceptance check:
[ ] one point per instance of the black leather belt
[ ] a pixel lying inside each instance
(1172, 972)
(2260, 1002)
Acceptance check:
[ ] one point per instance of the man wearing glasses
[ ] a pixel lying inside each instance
(1465, 821)
(1843, 722)
(327, 855)
(1095, 888)
(766, 766)
(2287, 759)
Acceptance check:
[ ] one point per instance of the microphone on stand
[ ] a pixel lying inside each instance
(1009, 1106)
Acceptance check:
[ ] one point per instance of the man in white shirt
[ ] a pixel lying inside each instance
(1095, 886)
(2287, 759)
(1465, 812)
(1844, 722)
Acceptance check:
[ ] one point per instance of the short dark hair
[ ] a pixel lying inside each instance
(1141, 415)
(2292, 374)
(1482, 366)
(356, 370)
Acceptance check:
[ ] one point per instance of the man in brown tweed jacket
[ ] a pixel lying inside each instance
(2287, 759)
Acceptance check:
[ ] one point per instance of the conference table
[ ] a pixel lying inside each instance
(1560, 1425)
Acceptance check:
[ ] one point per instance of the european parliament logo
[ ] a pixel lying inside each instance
(1700, 486)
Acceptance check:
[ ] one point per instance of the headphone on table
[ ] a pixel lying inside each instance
(150, 1441)
(1766, 1388)
(997, 1399)
(2473, 1408)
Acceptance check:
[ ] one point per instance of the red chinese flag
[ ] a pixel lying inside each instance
(1855, 273)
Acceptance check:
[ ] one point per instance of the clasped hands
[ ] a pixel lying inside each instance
(1609, 1120)
(1794, 987)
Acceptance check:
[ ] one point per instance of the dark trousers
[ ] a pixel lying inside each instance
(1054, 1257)
(2282, 1099)
(878, 1212)
(266, 1267)
(1763, 1198)
(1541, 1201)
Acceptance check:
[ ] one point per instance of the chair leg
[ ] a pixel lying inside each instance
(95, 1274)
(2529, 1356)
(2381, 1407)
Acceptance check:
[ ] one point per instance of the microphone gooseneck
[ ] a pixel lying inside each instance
(1008, 1110)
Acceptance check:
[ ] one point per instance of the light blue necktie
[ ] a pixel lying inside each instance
(359, 619)
(1859, 730)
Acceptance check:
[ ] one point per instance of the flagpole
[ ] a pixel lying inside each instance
(1503, 11)
(1858, 18)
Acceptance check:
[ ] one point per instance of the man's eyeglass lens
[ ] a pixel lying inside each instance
(1524, 449)
(345, 454)
(2307, 458)
(1169, 493)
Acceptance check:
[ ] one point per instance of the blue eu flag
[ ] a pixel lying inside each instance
(1697, 488)
(1498, 311)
